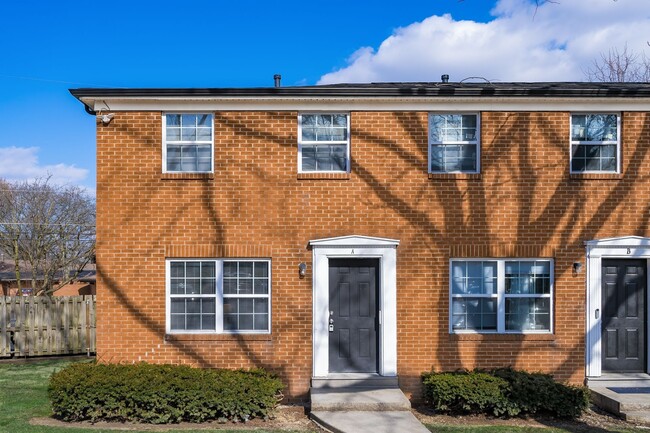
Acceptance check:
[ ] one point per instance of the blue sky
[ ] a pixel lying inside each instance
(49, 47)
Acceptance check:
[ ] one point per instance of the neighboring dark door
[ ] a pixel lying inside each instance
(623, 326)
(353, 315)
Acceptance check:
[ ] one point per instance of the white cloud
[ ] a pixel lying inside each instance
(556, 42)
(21, 163)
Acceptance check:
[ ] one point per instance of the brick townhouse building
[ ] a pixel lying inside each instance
(377, 229)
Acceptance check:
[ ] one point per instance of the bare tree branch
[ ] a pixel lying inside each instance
(47, 229)
(619, 67)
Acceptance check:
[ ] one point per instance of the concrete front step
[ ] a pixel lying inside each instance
(616, 393)
(641, 416)
(355, 380)
(369, 422)
(358, 399)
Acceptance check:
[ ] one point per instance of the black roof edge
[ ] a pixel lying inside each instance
(540, 89)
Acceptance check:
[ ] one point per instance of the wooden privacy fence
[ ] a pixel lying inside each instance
(43, 325)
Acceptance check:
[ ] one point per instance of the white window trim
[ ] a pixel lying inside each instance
(346, 142)
(617, 142)
(164, 142)
(477, 141)
(501, 295)
(218, 295)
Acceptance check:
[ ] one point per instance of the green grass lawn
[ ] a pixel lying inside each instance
(578, 428)
(23, 395)
(508, 429)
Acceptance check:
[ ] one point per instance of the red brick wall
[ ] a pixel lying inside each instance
(523, 204)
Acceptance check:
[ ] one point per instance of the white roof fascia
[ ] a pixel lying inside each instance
(528, 104)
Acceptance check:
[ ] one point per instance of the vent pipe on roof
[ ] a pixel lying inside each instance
(276, 79)
(444, 78)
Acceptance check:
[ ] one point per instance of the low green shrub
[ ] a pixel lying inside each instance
(503, 392)
(539, 392)
(161, 393)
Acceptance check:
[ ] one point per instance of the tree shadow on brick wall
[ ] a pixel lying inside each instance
(163, 234)
(564, 208)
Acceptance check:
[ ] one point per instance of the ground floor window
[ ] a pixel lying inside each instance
(501, 295)
(219, 295)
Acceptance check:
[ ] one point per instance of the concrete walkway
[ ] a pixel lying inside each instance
(358, 404)
(370, 422)
(625, 395)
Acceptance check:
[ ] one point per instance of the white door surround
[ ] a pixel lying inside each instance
(626, 247)
(353, 247)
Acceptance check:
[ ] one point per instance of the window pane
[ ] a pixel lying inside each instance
(207, 269)
(261, 269)
(245, 269)
(188, 134)
(173, 134)
(230, 306)
(173, 119)
(208, 286)
(339, 158)
(204, 120)
(192, 286)
(229, 269)
(208, 306)
(246, 322)
(177, 286)
(246, 305)
(177, 269)
(323, 158)
(229, 286)
(230, 322)
(475, 314)
(261, 322)
(177, 322)
(528, 314)
(341, 120)
(578, 127)
(193, 305)
(308, 134)
(188, 120)
(261, 305)
(178, 306)
(193, 269)
(437, 158)
(193, 321)
(261, 286)
(609, 164)
(245, 286)
(208, 321)
(308, 158)
(308, 119)
(324, 119)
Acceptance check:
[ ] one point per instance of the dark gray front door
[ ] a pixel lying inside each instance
(623, 325)
(353, 315)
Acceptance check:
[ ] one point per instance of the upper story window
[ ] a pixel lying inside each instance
(219, 296)
(501, 295)
(453, 143)
(324, 142)
(187, 143)
(595, 143)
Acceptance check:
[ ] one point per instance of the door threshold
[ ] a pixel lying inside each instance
(353, 375)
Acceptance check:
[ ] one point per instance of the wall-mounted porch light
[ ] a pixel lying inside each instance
(577, 268)
(302, 269)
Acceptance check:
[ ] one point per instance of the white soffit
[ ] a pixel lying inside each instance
(365, 104)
